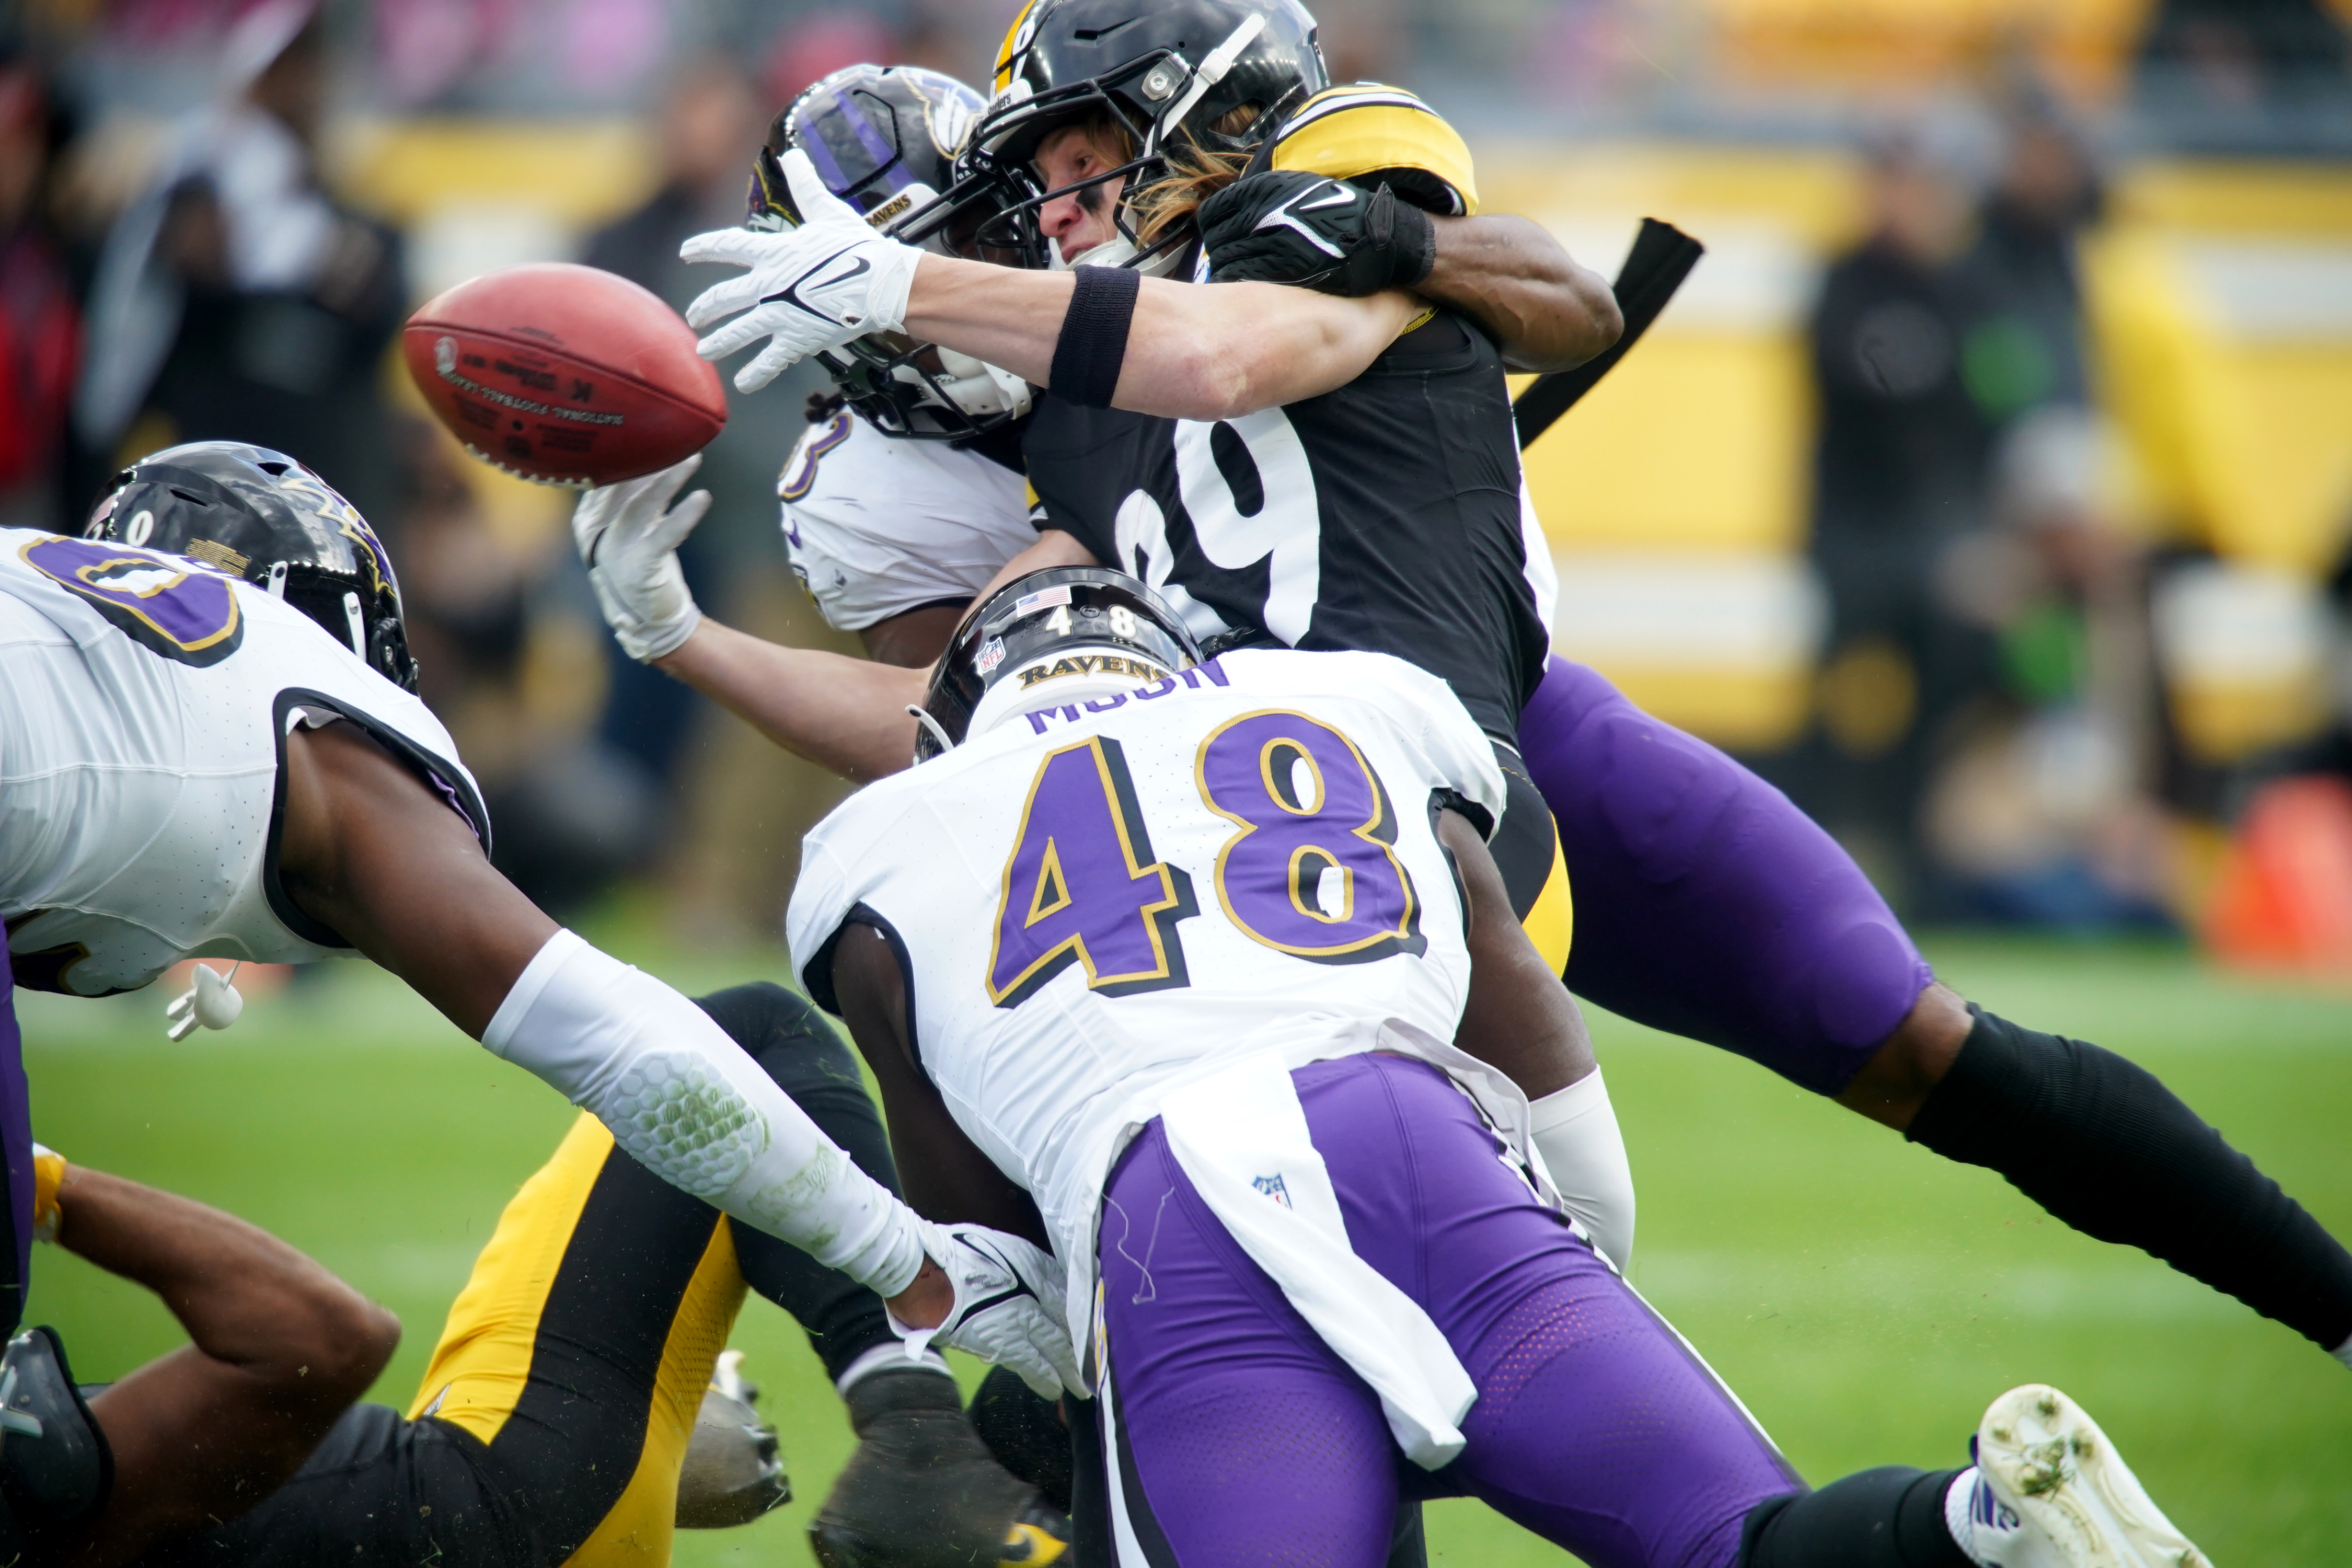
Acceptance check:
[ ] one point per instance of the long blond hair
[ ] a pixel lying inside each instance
(1195, 173)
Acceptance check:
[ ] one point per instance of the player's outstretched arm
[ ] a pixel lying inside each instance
(279, 1349)
(846, 714)
(1191, 351)
(1194, 351)
(369, 850)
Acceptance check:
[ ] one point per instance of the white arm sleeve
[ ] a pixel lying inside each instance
(1575, 1129)
(686, 1102)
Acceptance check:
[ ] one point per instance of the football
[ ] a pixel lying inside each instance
(564, 375)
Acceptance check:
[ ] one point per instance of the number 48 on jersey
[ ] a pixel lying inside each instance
(1309, 870)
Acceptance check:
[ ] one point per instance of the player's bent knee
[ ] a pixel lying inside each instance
(785, 1034)
(1896, 1081)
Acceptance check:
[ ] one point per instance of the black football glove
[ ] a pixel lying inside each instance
(1287, 226)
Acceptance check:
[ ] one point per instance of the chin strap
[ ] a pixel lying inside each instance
(937, 731)
(1210, 72)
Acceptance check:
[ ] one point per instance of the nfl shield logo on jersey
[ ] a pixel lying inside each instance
(1274, 1187)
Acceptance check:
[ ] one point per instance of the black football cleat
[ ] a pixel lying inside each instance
(923, 1491)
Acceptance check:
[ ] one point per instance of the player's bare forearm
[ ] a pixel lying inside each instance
(1518, 1017)
(370, 851)
(1194, 351)
(946, 1177)
(1547, 312)
(247, 1299)
(846, 714)
(281, 1349)
(912, 639)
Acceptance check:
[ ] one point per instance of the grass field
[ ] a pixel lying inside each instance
(1865, 1298)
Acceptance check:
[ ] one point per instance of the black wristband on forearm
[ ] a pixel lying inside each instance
(1093, 343)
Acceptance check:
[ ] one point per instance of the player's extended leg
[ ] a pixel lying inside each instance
(921, 1487)
(1715, 909)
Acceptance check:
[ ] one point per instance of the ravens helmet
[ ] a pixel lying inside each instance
(1218, 75)
(884, 139)
(260, 515)
(1078, 624)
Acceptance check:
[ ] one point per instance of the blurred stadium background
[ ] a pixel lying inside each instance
(1989, 488)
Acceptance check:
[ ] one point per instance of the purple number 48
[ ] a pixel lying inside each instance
(1312, 871)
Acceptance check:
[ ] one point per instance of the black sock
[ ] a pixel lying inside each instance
(1890, 1518)
(2103, 1146)
(1025, 1433)
(785, 1034)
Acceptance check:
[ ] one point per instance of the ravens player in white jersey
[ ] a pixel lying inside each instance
(1194, 967)
(212, 746)
(1728, 916)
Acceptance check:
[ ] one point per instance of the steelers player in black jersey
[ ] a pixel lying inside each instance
(558, 1420)
(1320, 470)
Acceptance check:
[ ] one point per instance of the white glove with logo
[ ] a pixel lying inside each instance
(628, 536)
(1008, 1306)
(811, 287)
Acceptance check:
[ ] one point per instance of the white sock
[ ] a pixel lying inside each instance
(889, 1358)
(1575, 1130)
(2343, 1353)
(1977, 1521)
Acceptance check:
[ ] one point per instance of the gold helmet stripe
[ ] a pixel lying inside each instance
(1016, 38)
(1351, 132)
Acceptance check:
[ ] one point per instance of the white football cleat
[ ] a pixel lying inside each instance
(2051, 1492)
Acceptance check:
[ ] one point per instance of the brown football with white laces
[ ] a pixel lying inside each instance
(565, 374)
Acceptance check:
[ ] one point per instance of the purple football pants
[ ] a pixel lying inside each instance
(1707, 904)
(16, 1146)
(1236, 1436)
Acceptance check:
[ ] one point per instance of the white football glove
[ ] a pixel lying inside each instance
(1008, 1306)
(628, 536)
(811, 287)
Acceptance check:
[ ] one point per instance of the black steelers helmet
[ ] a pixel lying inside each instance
(884, 139)
(260, 515)
(1085, 612)
(1162, 71)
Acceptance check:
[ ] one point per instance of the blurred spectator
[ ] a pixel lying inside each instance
(1897, 476)
(235, 299)
(486, 624)
(2020, 285)
(2042, 809)
(40, 329)
(2240, 54)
